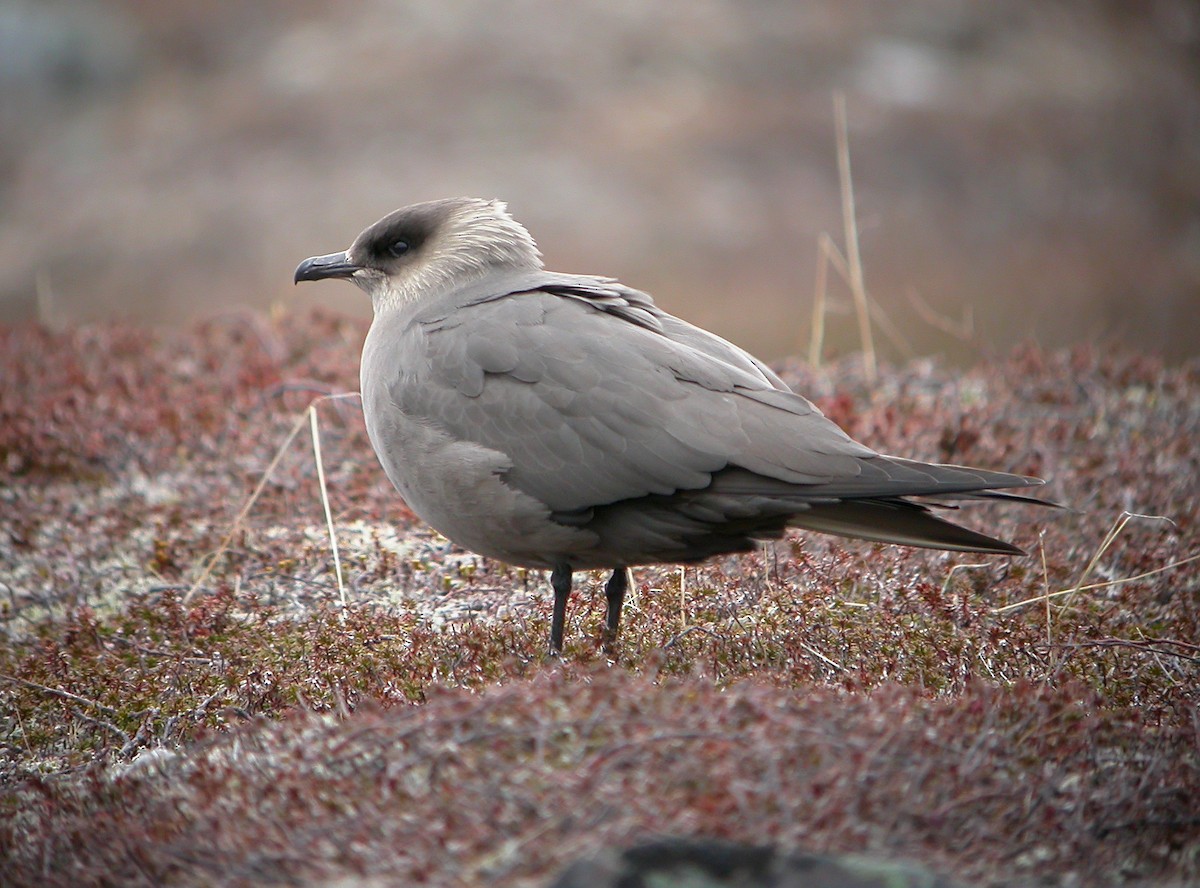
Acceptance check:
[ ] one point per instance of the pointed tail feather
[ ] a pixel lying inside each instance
(898, 521)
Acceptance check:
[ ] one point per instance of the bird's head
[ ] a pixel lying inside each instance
(426, 248)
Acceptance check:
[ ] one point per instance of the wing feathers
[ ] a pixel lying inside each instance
(601, 402)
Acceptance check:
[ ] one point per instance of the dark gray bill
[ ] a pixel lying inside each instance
(335, 265)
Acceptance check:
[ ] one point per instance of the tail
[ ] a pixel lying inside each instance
(898, 521)
(878, 505)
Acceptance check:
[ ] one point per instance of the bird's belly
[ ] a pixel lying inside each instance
(457, 487)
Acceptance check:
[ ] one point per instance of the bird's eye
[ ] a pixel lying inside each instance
(397, 248)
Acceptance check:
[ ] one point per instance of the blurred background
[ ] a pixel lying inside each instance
(1031, 164)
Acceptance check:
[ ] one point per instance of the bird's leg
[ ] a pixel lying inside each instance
(614, 591)
(560, 580)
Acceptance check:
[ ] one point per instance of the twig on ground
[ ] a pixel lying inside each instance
(64, 695)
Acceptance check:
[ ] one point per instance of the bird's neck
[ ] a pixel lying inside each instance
(453, 280)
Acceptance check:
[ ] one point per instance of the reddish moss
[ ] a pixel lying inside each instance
(837, 695)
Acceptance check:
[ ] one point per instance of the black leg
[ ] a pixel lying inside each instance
(615, 593)
(560, 580)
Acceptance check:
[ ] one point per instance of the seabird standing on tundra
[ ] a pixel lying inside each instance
(566, 422)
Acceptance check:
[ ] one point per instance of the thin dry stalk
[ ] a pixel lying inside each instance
(832, 664)
(209, 562)
(889, 328)
(816, 342)
(850, 221)
(1109, 539)
(316, 442)
(47, 309)
(1112, 534)
(963, 330)
(61, 694)
(829, 254)
(950, 573)
(682, 595)
(1045, 585)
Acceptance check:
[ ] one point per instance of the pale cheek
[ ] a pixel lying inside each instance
(369, 281)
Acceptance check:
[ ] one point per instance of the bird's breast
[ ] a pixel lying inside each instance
(455, 485)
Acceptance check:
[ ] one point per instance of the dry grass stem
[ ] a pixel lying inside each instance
(316, 442)
(829, 254)
(950, 573)
(682, 596)
(210, 561)
(853, 256)
(816, 343)
(1045, 582)
(963, 330)
(1108, 540)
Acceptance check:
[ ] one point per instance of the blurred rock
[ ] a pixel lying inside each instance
(65, 48)
(681, 863)
(54, 55)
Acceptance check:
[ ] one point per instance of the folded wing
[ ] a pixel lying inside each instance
(597, 396)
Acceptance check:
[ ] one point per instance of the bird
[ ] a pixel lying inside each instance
(566, 422)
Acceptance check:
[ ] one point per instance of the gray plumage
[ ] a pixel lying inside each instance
(566, 422)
